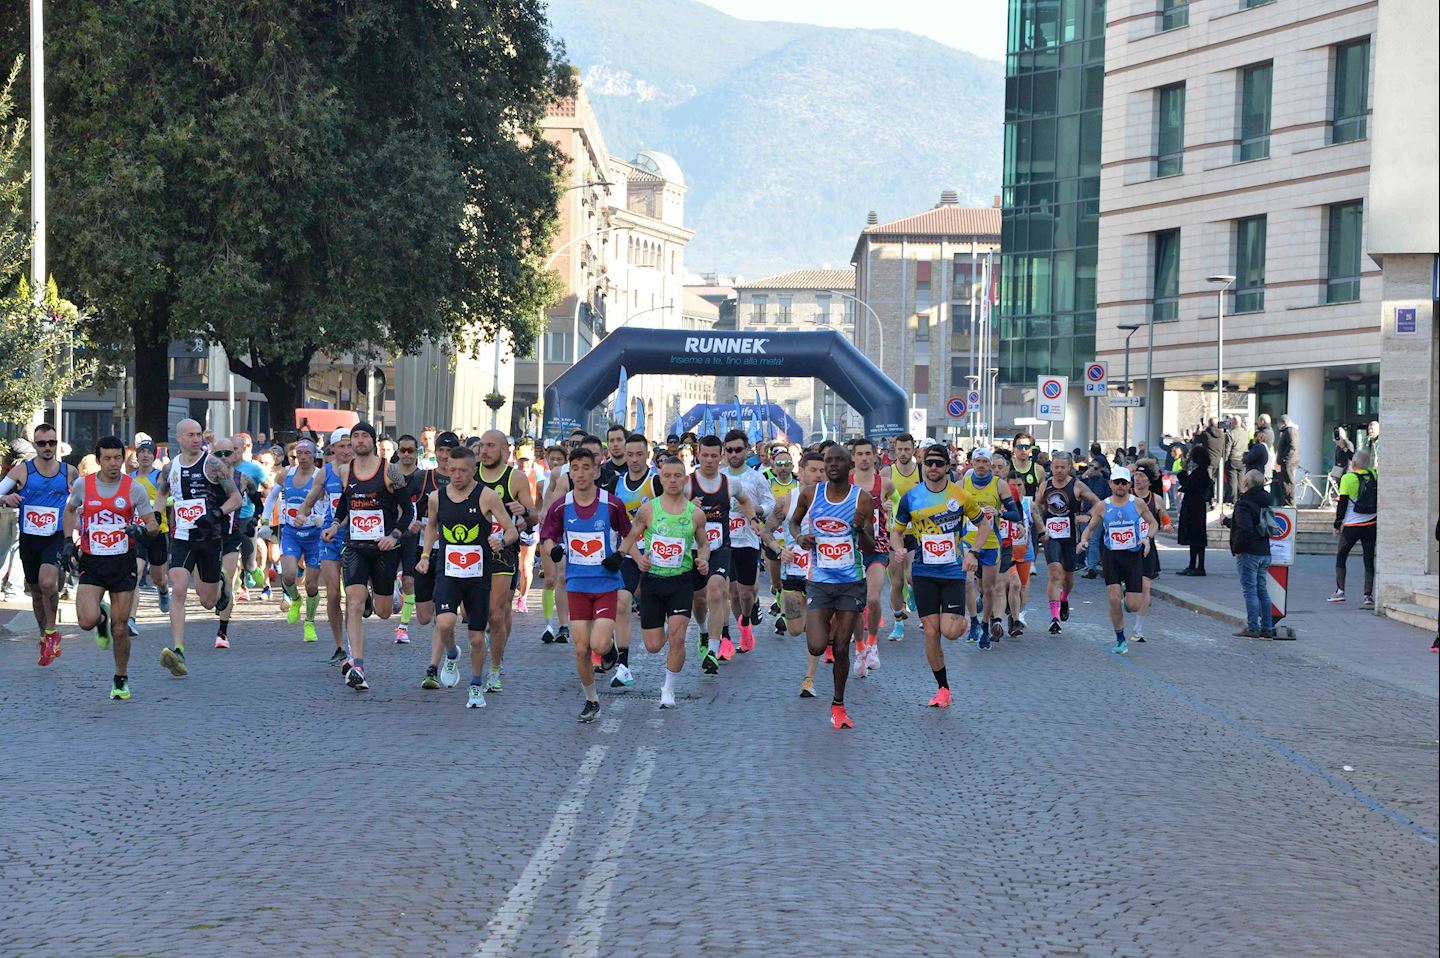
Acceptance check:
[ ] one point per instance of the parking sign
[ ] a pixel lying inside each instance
(1050, 395)
(1097, 375)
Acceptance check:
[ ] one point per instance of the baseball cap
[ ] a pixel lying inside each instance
(980, 452)
(339, 435)
(525, 451)
(447, 440)
(146, 443)
(1119, 474)
(937, 452)
(672, 438)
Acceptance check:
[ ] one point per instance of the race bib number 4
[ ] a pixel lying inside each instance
(1122, 537)
(40, 520)
(937, 550)
(187, 512)
(464, 562)
(834, 553)
(367, 525)
(109, 539)
(585, 548)
(666, 552)
(1057, 527)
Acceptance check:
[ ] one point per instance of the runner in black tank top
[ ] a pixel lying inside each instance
(494, 453)
(1059, 503)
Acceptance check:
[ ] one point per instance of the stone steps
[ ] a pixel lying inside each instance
(1417, 615)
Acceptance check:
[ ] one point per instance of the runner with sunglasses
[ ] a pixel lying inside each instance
(795, 562)
(904, 474)
(1121, 519)
(745, 537)
(407, 456)
(1060, 502)
(782, 482)
(40, 489)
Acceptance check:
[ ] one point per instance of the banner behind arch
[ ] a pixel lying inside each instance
(819, 354)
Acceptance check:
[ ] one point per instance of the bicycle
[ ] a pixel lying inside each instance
(1329, 497)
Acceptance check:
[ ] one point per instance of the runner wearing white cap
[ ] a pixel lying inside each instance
(1121, 520)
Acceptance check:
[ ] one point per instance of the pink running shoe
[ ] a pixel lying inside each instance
(747, 638)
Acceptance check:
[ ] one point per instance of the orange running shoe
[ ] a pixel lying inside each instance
(838, 717)
(829, 655)
(727, 650)
(49, 647)
(941, 699)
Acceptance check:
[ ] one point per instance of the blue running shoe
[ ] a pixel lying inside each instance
(1121, 647)
(976, 630)
(984, 641)
(165, 602)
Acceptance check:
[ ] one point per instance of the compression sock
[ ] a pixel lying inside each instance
(312, 602)
(624, 655)
(292, 592)
(590, 694)
(725, 632)
(1139, 624)
(1064, 595)
(547, 604)
(358, 663)
(453, 652)
(224, 626)
(1055, 609)
(670, 678)
(407, 609)
(744, 620)
(713, 645)
(1119, 635)
(940, 680)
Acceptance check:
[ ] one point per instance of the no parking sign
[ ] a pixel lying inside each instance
(1050, 395)
(956, 407)
(1097, 376)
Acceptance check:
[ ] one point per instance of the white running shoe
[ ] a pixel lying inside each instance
(623, 677)
(667, 698)
(872, 657)
(476, 698)
(450, 672)
(1022, 619)
(859, 664)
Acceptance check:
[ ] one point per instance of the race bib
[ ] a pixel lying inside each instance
(937, 550)
(1002, 527)
(800, 565)
(1144, 528)
(39, 520)
(737, 524)
(667, 552)
(585, 548)
(106, 539)
(1057, 527)
(834, 552)
(335, 503)
(464, 562)
(187, 511)
(1122, 537)
(714, 534)
(1019, 533)
(367, 525)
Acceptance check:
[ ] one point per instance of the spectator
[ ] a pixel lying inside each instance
(1234, 458)
(1355, 522)
(1344, 451)
(1250, 545)
(1212, 440)
(1195, 494)
(1372, 446)
(20, 451)
(1287, 459)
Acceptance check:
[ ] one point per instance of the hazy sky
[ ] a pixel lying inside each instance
(974, 25)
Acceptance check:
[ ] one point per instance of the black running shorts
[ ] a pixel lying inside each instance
(36, 551)
(1061, 552)
(744, 565)
(662, 596)
(370, 567)
(198, 556)
(114, 574)
(935, 596)
(1123, 568)
(473, 593)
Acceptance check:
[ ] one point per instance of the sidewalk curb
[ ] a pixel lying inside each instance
(1195, 603)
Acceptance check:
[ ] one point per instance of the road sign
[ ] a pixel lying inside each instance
(1282, 556)
(1097, 376)
(1050, 395)
(957, 407)
(1126, 402)
(972, 399)
(919, 421)
(1405, 321)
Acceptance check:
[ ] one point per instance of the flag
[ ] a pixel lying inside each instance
(622, 401)
(769, 423)
(707, 426)
(739, 416)
(639, 415)
(678, 429)
(823, 431)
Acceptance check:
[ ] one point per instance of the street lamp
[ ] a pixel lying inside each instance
(1130, 329)
(879, 330)
(1225, 283)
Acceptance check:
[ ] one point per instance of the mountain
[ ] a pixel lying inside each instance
(788, 134)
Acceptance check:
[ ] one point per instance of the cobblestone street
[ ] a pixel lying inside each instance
(1205, 795)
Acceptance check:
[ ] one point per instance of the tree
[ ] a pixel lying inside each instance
(299, 178)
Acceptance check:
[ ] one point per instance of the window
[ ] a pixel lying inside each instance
(1250, 265)
(1255, 85)
(1174, 14)
(964, 279)
(1352, 87)
(757, 309)
(1166, 293)
(1170, 130)
(822, 310)
(1342, 278)
(558, 347)
(922, 327)
(786, 309)
(1252, 4)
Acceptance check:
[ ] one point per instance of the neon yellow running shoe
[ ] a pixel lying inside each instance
(120, 690)
(292, 615)
(309, 631)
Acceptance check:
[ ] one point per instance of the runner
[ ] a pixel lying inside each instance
(407, 457)
(329, 488)
(638, 485)
(713, 493)
(1009, 577)
(995, 500)
(903, 475)
(590, 523)
(255, 487)
(373, 510)
(933, 515)
(206, 499)
(456, 516)
(234, 539)
(530, 472)
(673, 528)
(552, 598)
(1022, 541)
(614, 464)
(154, 551)
(782, 482)
(496, 474)
(1026, 469)
(299, 539)
(837, 535)
(1146, 479)
(1059, 503)
(795, 561)
(43, 486)
(744, 538)
(432, 481)
(1120, 519)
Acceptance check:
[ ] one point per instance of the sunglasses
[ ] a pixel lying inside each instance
(1023, 445)
(1120, 482)
(224, 453)
(938, 463)
(734, 448)
(408, 450)
(45, 443)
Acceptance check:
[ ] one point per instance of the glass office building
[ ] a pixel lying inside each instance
(1054, 80)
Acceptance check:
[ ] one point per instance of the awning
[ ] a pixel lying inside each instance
(325, 420)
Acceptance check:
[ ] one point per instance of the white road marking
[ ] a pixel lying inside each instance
(503, 930)
(594, 898)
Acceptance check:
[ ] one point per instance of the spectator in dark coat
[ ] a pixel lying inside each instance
(1287, 460)
(1234, 458)
(1213, 441)
(1195, 491)
(1344, 452)
(1250, 545)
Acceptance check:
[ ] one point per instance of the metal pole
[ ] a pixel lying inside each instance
(1125, 432)
(37, 183)
(1149, 381)
(973, 378)
(370, 393)
(495, 413)
(1220, 380)
(229, 398)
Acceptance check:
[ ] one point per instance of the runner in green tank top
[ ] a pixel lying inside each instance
(671, 528)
